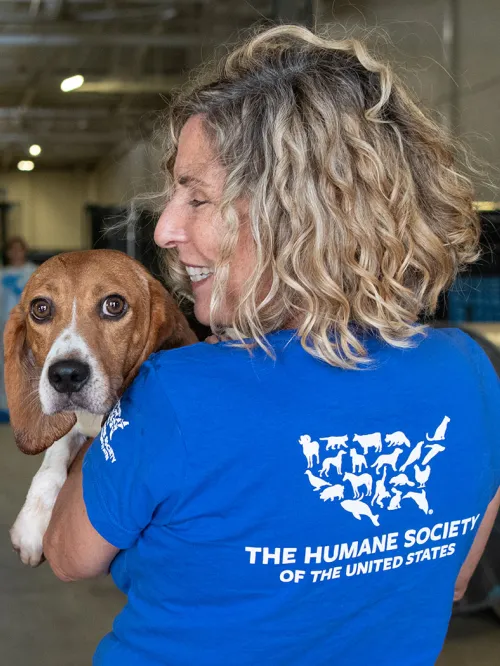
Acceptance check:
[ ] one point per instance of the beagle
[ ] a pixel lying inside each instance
(85, 323)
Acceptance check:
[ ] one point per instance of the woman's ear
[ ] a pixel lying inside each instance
(168, 327)
(34, 431)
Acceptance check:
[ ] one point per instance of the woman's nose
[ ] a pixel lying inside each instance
(170, 228)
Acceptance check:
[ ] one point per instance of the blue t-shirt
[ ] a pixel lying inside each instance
(281, 512)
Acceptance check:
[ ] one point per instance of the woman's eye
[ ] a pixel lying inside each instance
(114, 306)
(196, 203)
(41, 309)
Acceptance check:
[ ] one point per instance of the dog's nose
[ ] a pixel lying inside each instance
(68, 376)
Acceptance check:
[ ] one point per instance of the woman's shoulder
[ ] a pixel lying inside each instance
(170, 372)
(195, 357)
(192, 371)
(464, 348)
(187, 352)
(462, 341)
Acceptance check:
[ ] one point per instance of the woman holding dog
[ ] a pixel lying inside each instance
(316, 211)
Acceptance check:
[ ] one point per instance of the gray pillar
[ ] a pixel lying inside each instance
(451, 42)
(295, 11)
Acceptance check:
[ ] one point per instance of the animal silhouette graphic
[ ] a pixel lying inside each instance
(335, 442)
(115, 421)
(422, 475)
(380, 480)
(434, 450)
(381, 492)
(310, 449)
(332, 493)
(397, 439)
(315, 481)
(358, 509)
(358, 462)
(358, 481)
(421, 501)
(395, 502)
(413, 457)
(387, 459)
(336, 462)
(401, 480)
(369, 441)
(440, 433)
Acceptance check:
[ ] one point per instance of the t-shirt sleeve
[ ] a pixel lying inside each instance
(136, 463)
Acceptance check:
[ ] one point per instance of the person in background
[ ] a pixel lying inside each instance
(13, 278)
(316, 492)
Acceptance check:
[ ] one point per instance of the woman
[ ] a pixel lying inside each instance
(309, 494)
(13, 279)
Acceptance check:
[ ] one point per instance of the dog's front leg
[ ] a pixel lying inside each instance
(31, 524)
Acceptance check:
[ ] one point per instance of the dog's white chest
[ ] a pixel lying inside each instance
(88, 424)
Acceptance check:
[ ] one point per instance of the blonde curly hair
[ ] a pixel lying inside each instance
(358, 209)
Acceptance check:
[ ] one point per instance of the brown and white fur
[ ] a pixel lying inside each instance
(111, 350)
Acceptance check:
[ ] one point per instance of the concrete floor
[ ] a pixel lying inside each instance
(43, 621)
(472, 641)
(49, 623)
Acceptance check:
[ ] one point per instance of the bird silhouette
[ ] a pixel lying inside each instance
(420, 499)
(413, 457)
(315, 481)
(434, 450)
(422, 475)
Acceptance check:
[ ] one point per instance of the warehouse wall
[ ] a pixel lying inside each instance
(49, 208)
(411, 35)
(118, 179)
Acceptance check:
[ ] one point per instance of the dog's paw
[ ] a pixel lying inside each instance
(27, 534)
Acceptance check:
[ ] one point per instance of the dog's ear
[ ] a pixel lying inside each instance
(168, 327)
(34, 431)
(171, 326)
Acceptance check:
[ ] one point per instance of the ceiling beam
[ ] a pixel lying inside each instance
(57, 113)
(146, 3)
(97, 84)
(61, 137)
(110, 86)
(72, 39)
(121, 15)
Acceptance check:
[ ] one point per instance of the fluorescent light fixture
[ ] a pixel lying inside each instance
(25, 165)
(35, 150)
(72, 83)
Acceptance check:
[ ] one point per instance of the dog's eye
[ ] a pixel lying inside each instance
(41, 309)
(114, 306)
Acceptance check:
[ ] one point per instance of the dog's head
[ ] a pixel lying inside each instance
(85, 323)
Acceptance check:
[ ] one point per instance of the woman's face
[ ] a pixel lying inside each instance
(16, 254)
(191, 223)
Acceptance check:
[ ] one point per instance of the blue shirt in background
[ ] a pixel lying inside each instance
(13, 279)
(281, 512)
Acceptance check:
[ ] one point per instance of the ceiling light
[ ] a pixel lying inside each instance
(35, 150)
(25, 165)
(72, 83)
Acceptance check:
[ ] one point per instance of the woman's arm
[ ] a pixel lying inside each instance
(478, 546)
(71, 545)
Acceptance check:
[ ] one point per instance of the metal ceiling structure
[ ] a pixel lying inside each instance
(131, 54)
